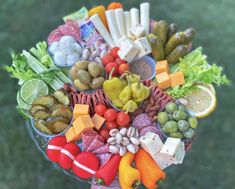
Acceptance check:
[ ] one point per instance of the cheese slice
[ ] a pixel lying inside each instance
(144, 47)
(151, 143)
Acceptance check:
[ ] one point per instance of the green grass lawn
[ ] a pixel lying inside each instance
(209, 165)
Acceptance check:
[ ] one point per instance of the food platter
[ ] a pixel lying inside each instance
(114, 97)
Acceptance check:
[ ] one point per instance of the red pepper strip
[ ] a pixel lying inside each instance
(107, 173)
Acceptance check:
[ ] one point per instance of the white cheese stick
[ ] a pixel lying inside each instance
(144, 16)
(127, 21)
(110, 16)
(95, 19)
(135, 17)
(119, 15)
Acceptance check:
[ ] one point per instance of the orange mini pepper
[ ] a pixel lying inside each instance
(114, 5)
(100, 10)
(129, 177)
(149, 170)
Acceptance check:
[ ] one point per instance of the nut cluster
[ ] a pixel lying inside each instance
(123, 140)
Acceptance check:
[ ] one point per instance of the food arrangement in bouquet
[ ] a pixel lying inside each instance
(116, 95)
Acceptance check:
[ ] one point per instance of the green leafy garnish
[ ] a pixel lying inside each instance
(196, 69)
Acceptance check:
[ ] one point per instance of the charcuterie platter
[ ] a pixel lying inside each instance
(116, 97)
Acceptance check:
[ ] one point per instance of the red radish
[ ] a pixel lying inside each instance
(123, 119)
(123, 68)
(110, 66)
(54, 146)
(111, 125)
(67, 155)
(107, 59)
(114, 51)
(104, 133)
(110, 114)
(85, 165)
(119, 61)
(100, 109)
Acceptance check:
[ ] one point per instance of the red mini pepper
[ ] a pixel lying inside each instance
(107, 173)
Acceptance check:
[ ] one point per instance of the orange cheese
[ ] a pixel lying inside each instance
(177, 79)
(70, 135)
(163, 80)
(80, 110)
(162, 66)
(81, 124)
(98, 121)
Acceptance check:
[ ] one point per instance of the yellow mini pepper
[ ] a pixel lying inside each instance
(129, 177)
(100, 10)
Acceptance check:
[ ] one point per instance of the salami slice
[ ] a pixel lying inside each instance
(87, 138)
(141, 121)
(102, 150)
(104, 158)
(96, 143)
(55, 35)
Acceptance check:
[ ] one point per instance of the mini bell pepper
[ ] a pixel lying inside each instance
(139, 91)
(130, 106)
(129, 177)
(107, 173)
(125, 94)
(149, 170)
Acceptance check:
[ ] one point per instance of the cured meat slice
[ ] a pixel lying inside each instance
(97, 142)
(101, 150)
(104, 158)
(87, 138)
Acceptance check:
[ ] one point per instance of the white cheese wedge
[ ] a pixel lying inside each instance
(144, 16)
(144, 47)
(135, 16)
(162, 161)
(151, 143)
(119, 15)
(136, 32)
(128, 50)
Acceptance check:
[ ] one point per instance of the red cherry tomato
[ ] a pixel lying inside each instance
(100, 109)
(110, 66)
(111, 125)
(110, 114)
(104, 133)
(122, 68)
(107, 59)
(114, 51)
(119, 61)
(123, 119)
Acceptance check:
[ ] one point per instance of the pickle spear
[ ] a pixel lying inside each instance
(178, 52)
(157, 47)
(160, 30)
(177, 39)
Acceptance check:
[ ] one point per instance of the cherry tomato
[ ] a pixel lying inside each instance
(122, 68)
(107, 59)
(123, 119)
(104, 133)
(119, 61)
(114, 51)
(111, 125)
(110, 114)
(110, 66)
(100, 109)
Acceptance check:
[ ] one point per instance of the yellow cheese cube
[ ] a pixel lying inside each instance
(98, 121)
(80, 110)
(177, 79)
(162, 66)
(163, 80)
(70, 135)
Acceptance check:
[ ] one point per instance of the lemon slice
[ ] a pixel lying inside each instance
(201, 102)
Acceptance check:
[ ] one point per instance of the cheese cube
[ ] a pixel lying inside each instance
(151, 143)
(136, 32)
(128, 49)
(162, 66)
(144, 47)
(177, 79)
(80, 110)
(81, 124)
(161, 161)
(173, 150)
(163, 80)
(70, 135)
(98, 121)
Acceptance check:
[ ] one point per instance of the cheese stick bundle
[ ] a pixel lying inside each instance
(119, 15)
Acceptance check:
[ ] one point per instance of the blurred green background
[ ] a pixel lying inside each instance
(209, 165)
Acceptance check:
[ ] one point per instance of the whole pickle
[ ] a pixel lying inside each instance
(178, 52)
(160, 30)
(177, 39)
(172, 29)
(157, 47)
(190, 34)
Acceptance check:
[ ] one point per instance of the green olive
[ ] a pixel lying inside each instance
(171, 126)
(177, 135)
(189, 134)
(171, 107)
(170, 116)
(193, 122)
(182, 107)
(179, 115)
(183, 125)
(162, 117)
(165, 130)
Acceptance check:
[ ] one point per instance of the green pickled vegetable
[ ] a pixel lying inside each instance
(162, 117)
(171, 126)
(179, 52)
(180, 115)
(183, 125)
(171, 107)
(193, 122)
